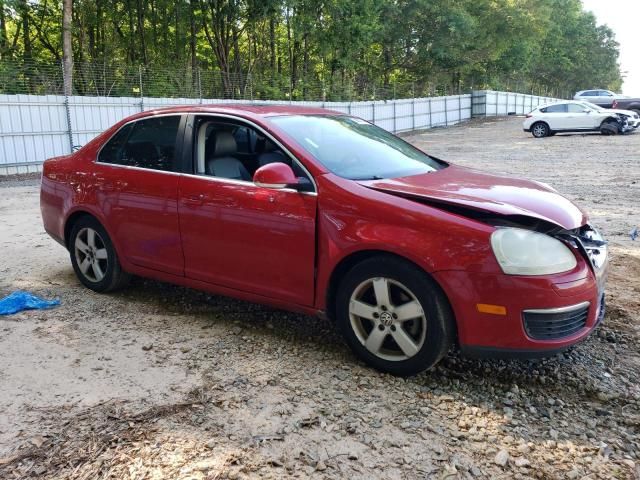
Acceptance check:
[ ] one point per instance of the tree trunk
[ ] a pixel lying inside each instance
(131, 47)
(24, 12)
(292, 66)
(178, 35)
(3, 30)
(192, 45)
(67, 48)
(386, 53)
(305, 64)
(143, 45)
(272, 43)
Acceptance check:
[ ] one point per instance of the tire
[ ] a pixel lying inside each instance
(540, 130)
(609, 127)
(415, 314)
(93, 257)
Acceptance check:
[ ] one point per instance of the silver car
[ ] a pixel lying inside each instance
(604, 98)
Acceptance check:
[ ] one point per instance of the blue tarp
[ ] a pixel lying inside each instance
(21, 300)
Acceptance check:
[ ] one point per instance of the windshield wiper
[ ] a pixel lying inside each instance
(372, 177)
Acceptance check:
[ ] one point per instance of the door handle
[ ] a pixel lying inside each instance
(194, 200)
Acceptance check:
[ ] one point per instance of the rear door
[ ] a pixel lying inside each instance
(556, 116)
(137, 184)
(590, 96)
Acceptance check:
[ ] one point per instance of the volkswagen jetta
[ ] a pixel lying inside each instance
(323, 213)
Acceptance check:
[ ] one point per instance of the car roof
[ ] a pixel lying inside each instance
(560, 102)
(248, 110)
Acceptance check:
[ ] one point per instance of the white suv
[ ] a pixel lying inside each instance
(572, 116)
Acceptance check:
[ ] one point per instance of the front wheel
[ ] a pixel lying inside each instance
(93, 257)
(540, 130)
(393, 316)
(610, 127)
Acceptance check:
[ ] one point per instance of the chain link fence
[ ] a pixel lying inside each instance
(38, 121)
(194, 82)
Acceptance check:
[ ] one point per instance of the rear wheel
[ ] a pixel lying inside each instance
(540, 130)
(393, 316)
(93, 257)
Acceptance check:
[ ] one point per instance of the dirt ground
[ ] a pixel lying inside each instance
(158, 381)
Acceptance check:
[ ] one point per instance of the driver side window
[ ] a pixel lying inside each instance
(231, 150)
(575, 108)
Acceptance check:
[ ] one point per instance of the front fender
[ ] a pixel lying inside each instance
(431, 238)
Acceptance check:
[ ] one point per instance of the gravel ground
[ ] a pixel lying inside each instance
(158, 381)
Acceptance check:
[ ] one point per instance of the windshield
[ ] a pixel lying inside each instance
(356, 149)
(592, 107)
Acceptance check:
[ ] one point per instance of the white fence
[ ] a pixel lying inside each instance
(34, 128)
(488, 103)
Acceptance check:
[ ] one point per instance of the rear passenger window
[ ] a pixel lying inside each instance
(149, 143)
(557, 108)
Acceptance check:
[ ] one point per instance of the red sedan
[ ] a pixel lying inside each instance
(322, 213)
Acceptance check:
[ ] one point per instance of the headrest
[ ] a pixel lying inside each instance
(225, 144)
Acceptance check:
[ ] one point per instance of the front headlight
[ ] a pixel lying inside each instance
(523, 252)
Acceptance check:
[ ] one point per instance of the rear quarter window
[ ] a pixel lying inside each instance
(112, 150)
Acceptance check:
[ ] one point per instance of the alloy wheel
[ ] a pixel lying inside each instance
(387, 319)
(539, 130)
(91, 254)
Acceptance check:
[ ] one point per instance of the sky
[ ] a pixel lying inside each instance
(622, 17)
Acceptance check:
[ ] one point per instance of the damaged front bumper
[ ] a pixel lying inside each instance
(544, 314)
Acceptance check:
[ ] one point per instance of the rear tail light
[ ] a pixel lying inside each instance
(615, 104)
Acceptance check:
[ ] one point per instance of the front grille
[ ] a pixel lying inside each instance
(554, 324)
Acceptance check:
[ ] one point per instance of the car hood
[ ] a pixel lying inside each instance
(628, 113)
(488, 193)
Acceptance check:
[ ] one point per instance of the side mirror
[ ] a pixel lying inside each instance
(275, 175)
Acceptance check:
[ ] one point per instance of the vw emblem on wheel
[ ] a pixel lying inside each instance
(386, 319)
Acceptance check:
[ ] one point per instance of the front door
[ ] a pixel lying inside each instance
(578, 117)
(239, 235)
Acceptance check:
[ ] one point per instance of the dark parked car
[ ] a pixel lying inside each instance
(627, 104)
